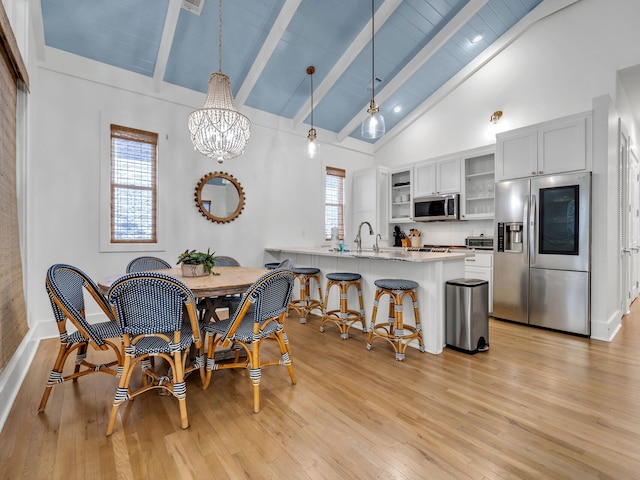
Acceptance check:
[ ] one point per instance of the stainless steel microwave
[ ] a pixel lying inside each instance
(436, 208)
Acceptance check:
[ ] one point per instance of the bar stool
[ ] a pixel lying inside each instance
(394, 330)
(305, 303)
(343, 317)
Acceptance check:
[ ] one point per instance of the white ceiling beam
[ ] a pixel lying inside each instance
(269, 46)
(544, 9)
(435, 44)
(382, 15)
(168, 32)
(35, 13)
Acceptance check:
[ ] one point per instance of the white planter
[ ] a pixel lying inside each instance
(193, 270)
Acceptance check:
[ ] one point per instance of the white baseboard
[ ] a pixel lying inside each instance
(606, 331)
(14, 373)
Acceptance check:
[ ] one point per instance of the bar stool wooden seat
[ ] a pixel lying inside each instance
(343, 317)
(304, 304)
(394, 330)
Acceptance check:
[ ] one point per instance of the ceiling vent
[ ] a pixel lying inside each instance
(378, 81)
(194, 6)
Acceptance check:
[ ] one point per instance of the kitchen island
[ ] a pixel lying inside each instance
(430, 270)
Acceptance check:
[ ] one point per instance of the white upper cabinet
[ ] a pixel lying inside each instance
(369, 203)
(476, 197)
(558, 146)
(437, 177)
(401, 199)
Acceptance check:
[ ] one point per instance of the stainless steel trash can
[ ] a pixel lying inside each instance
(467, 314)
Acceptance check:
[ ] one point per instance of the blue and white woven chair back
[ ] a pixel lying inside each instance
(271, 295)
(148, 302)
(145, 264)
(285, 264)
(224, 261)
(65, 286)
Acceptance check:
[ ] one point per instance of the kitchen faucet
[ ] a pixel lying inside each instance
(376, 247)
(358, 239)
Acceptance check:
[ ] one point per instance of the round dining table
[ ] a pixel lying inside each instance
(224, 281)
(212, 289)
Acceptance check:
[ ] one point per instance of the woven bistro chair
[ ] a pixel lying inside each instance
(145, 264)
(260, 316)
(287, 263)
(65, 286)
(157, 317)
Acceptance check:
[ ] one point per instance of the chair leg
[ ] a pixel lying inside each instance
(122, 393)
(285, 353)
(55, 376)
(180, 388)
(255, 373)
(81, 355)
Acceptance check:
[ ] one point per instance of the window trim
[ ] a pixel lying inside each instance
(337, 172)
(124, 118)
(121, 132)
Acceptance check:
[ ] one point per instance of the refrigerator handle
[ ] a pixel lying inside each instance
(532, 231)
(525, 231)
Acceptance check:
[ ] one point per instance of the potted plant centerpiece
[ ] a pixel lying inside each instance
(197, 264)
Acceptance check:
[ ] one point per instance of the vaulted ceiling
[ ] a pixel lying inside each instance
(423, 48)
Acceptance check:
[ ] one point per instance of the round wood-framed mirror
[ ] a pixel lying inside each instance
(219, 197)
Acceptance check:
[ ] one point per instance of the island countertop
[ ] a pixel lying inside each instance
(430, 270)
(385, 253)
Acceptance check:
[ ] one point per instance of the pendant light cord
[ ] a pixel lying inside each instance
(373, 49)
(312, 97)
(220, 38)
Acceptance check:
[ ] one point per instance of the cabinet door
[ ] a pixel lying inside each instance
(476, 195)
(400, 196)
(516, 154)
(424, 178)
(369, 202)
(448, 176)
(562, 146)
(482, 274)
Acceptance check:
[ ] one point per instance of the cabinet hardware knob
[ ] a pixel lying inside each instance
(533, 172)
(540, 172)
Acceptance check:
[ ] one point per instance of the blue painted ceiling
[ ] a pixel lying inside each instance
(268, 44)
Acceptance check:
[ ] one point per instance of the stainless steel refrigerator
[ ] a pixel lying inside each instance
(542, 255)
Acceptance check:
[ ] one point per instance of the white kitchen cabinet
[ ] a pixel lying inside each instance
(478, 180)
(437, 177)
(558, 146)
(369, 203)
(480, 266)
(401, 198)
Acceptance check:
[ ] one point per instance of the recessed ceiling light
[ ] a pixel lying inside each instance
(397, 109)
(477, 37)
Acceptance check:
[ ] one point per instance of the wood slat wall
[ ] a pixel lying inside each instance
(13, 317)
(537, 405)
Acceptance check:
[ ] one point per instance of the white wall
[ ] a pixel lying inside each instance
(283, 188)
(556, 68)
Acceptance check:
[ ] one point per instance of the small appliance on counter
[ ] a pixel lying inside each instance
(479, 243)
(398, 235)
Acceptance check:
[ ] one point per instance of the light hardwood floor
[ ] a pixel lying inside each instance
(537, 405)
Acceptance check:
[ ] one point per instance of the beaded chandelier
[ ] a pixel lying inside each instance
(218, 130)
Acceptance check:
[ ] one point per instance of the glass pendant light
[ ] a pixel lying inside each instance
(373, 126)
(313, 148)
(218, 130)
